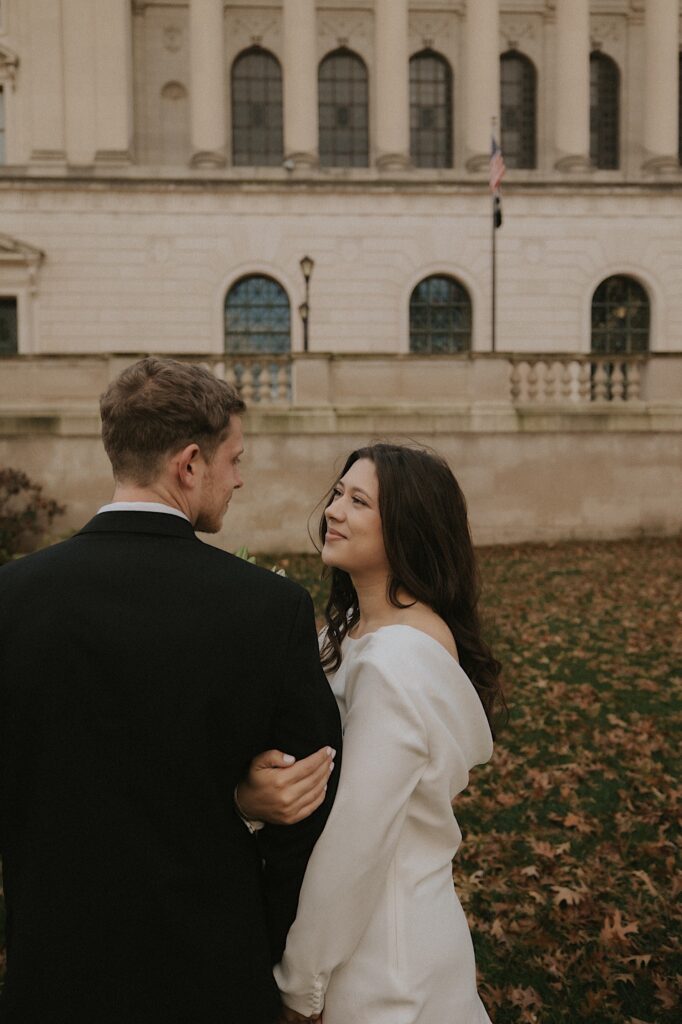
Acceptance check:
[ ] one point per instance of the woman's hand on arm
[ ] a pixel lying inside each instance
(281, 793)
(288, 1016)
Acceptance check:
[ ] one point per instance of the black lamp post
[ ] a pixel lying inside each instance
(307, 265)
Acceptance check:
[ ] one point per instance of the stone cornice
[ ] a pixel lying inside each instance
(202, 182)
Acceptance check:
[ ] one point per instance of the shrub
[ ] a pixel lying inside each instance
(25, 514)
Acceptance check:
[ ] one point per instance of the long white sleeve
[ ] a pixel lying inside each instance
(385, 752)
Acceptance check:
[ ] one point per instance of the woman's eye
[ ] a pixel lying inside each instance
(336, 493)
(359, 501)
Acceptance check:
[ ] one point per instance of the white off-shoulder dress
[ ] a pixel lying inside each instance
(380, 936)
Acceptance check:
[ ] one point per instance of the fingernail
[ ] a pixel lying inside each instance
(288, 759)
(331, 767)
(332, 752)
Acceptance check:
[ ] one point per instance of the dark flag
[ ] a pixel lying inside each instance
(497, 170)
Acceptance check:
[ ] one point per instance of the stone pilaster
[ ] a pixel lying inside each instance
(661, 57)
(47, 88)
(482, 84)
(114, 81)
(208, 121)
(572, 85)
(80, 95)
(300, 83)
(392, 85)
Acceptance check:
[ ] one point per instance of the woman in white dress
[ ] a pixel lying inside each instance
(380, 936)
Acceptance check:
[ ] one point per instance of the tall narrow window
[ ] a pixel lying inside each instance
(620, 317)
(517, 108)
(440, 316)
(430, 110)
(9, 335)
(344, 120)
(257, 109)
(604, 112)
(2, 125)
(257, 316)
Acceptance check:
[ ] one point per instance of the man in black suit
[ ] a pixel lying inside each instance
(141, 671)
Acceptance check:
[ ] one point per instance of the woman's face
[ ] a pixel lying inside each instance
(354, 540)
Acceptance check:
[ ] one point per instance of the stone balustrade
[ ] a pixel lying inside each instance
(473, 383)
(263, 380)
(570, 378)
(546, 446)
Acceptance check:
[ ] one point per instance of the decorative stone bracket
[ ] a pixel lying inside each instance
(9, 65)
(21, 255)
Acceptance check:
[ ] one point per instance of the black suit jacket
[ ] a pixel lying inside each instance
(140, 671)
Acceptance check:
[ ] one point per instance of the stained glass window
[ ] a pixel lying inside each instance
(430, 110)
(517, 109)
(440, 316)
(620, 317)
(604, 112)
(343, 110)
(257, 110)
(257, 316)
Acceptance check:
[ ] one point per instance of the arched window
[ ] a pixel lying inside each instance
(604, 112)
(430, 110)
(257, 316)
(517, 109)
(620, 317)
(257, 109)
(342, 87)
(440, 316)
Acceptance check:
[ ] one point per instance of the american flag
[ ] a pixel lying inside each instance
(497, 167)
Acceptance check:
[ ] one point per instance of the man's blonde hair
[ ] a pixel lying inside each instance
(159, 406)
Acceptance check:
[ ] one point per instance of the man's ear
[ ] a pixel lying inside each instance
(188, 464)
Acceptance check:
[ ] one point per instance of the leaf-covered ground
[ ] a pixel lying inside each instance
(569, 868)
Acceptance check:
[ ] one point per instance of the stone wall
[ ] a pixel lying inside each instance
(144, 266)
(535, 470)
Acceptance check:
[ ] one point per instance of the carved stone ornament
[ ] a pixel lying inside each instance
(9, 64)
(256, 27)
(14, 252)
(606, 30)
(515, 31)
(345, 28)
(172, 38)
(430, 31)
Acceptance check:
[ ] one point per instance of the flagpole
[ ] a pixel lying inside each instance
(493, 253)
(497, 170)
(493, 298)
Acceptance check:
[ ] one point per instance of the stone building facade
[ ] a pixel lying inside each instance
(167, 165)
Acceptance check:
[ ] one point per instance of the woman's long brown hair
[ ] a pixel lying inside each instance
(431, 558)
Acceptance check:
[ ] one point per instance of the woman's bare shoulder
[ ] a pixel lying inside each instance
(422, 617)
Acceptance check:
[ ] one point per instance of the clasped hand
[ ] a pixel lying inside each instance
(282, 793)
(289, 1016)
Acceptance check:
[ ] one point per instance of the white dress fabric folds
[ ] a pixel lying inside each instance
(380, 936)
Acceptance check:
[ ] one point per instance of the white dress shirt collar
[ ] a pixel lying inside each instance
(141, 506)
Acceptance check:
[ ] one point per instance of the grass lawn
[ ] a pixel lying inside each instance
(569, 868)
